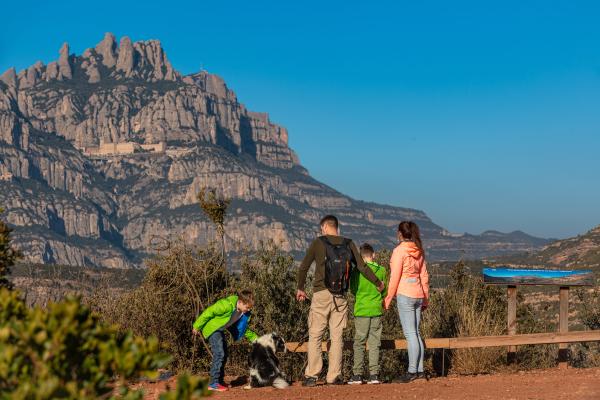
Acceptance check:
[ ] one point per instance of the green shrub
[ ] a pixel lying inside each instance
(271, 275)
(180, 283)
(65, 351)
(8, 255)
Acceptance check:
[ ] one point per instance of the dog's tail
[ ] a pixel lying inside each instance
(280, 383)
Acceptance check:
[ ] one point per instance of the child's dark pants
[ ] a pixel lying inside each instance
(218, 347)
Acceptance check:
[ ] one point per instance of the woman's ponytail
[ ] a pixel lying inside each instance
(410, 231)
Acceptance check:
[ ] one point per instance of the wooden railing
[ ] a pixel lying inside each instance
(475, 342)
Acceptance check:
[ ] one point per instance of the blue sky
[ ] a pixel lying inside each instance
(486, 115)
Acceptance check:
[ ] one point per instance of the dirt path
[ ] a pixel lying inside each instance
(547, 384)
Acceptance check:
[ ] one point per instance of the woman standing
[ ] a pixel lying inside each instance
(409, 282)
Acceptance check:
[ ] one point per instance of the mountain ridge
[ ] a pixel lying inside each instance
(87, 180)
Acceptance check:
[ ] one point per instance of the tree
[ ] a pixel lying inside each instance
(8, 255)
(215, 207)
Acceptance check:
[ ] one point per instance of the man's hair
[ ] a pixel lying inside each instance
(330, 220)
(247, 297)
(366, 250)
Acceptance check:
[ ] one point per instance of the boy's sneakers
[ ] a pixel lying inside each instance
(217, 387)
(373, 380)
(309, 381)
(355, 380)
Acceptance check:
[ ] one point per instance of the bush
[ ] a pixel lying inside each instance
(467, 307)
(179, 284)
(271, 275)
(66, 352)
(8, 255)
(588, 354)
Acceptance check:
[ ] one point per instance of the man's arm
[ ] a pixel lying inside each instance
(364, 269)
(305, 265)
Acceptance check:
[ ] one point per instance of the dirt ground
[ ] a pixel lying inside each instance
(547, 384)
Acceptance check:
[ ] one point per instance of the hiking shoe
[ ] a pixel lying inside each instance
(309, 381)
(355, 380)
(406, 378)
(217, 387)
(373, 379)
(337, 381)
(423, 375)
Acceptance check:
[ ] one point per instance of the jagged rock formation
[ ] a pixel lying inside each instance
(72, 209)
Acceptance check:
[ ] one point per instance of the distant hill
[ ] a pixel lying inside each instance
(101, 152)
(577, 252)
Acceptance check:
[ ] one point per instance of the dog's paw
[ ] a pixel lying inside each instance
(280, 383)
(248, 386)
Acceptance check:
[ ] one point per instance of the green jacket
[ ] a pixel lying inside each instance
(218, 315)
(368, 301)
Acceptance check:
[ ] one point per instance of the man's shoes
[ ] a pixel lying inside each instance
(217, 387)
(373, 380)
(337, 381)
(423, 375)
(356, 380)
(406, 378)
(309, 381)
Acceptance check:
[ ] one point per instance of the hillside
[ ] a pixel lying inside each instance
(100, 153)
(581, 251)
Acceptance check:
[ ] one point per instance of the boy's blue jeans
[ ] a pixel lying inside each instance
(409, 310)
(218, 347)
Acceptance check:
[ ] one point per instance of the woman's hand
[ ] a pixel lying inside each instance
(424, 305)
(386, 302)
(301, 295)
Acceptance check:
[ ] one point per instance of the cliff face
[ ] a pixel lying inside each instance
(74, 206)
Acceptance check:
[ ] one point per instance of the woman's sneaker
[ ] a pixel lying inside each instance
(217, 387)
(356, 380)
(406, 378)
(373, 380)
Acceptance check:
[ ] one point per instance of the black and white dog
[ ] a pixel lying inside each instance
(264, 364)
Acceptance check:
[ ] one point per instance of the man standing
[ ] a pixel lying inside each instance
(335, 256)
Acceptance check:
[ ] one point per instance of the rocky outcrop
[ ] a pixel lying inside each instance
(64, 65)
(73, 209)
(125, 62)
(9, 78)
(107, 50)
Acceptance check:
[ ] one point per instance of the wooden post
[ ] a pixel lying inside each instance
(563, 326)
(511, 357)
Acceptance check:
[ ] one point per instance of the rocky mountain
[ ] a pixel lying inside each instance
(102, 153)
(581, 251)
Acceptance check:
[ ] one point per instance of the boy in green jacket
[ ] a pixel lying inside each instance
(232, 314)
(368, 311)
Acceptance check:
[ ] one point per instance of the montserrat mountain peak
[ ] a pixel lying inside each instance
(101, 152)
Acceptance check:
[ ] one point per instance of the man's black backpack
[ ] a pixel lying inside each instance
(339, 261)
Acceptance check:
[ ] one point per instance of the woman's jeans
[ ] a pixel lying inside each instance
(218, 347)
(409, 310)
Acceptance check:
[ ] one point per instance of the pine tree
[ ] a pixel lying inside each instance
(8, 255)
